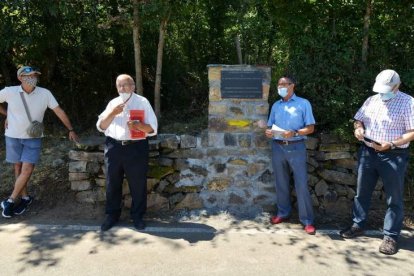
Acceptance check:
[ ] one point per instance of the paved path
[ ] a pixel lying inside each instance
(206, 247)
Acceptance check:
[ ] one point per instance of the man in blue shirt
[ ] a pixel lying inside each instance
(291, 119)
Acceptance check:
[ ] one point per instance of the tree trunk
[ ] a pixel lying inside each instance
(137, 48)
(238, 49)
(365, 39)
(157, 89)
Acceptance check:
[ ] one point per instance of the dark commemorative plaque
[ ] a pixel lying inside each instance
(241, 84)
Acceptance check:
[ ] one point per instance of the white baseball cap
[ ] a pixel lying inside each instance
(385, 81)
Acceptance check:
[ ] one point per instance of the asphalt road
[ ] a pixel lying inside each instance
(207, 247)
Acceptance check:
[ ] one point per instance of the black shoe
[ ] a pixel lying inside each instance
(109, 222)
(8, 208)
(139, 224)
(22, 206)
(351, 232)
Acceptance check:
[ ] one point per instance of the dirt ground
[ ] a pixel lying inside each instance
(56, 203)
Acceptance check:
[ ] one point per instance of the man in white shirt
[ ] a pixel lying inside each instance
(125, 152)
(21, 149)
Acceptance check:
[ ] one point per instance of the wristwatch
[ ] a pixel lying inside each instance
(295, 134)
(392, 145)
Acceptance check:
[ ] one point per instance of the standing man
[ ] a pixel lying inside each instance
(21, 149)
(125, 154)
(385, 123)
(294, 116)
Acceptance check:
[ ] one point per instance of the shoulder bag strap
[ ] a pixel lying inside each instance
(25, 107)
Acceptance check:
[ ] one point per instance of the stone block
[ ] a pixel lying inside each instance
(237, 162)
(180, 164)
(161, 186)
(244, 140)
(311, 143)
(176, 198)
(312, 180)
(78, 166)
(338, 177)
(216, 140)
(100, 182)
(341, 190)
(321, 188)
(93, 167)
(230, 140)
(86, 197)
(154, 144)
(323, 156)
(214, 73)
(188, 141)
(91, 143)
(261, 141)
(170, 142)
(81, 185)
(191, 201)
(334, 147)
(218, 184)
(156, 202)
(214, 94)
(235, 199)
(86, 156)
(188, 178)
(151, 183)
(236, 111)
(166, 162)
(311, 161)
(78, 176)
(217, 108)
(348, 163)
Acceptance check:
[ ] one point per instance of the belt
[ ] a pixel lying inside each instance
(285, 142)
(124, 142)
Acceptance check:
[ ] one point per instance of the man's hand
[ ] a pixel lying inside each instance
(118, 109)
(359, 133)
(381, 147)
(73, 136)
(269, 133)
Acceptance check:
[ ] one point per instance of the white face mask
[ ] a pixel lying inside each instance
(125, 96)
(283, 91)
(30, 80)
(387, 96)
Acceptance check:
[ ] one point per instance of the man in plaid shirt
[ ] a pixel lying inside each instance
(385, 125)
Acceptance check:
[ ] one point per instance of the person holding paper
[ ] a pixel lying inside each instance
(291, 119)
(385, 125)
(127, 122)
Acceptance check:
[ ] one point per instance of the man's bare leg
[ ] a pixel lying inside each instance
(23, 172)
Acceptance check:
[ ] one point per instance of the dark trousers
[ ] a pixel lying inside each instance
(131, 160)
(391, 167)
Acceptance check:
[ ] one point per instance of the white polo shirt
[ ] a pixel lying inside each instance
(118, 128)
(37, 101)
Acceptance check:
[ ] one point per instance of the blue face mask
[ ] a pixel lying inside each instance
(387, 96)
(282, 92)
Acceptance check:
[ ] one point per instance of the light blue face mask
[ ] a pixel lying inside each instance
(283, 91)
(387, 96)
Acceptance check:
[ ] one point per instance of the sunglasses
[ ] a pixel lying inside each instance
(30, 69)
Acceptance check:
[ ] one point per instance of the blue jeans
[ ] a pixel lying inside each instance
(391, 167)
(287, 159)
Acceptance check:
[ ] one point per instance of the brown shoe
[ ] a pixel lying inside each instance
(388, 246)
(351, 232)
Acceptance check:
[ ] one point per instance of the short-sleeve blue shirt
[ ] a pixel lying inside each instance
(294, 114)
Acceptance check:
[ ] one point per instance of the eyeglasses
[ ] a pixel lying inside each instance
(284, 84)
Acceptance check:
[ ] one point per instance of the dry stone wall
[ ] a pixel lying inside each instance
(186, 173)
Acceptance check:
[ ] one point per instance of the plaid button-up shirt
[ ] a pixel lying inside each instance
(387, 120)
